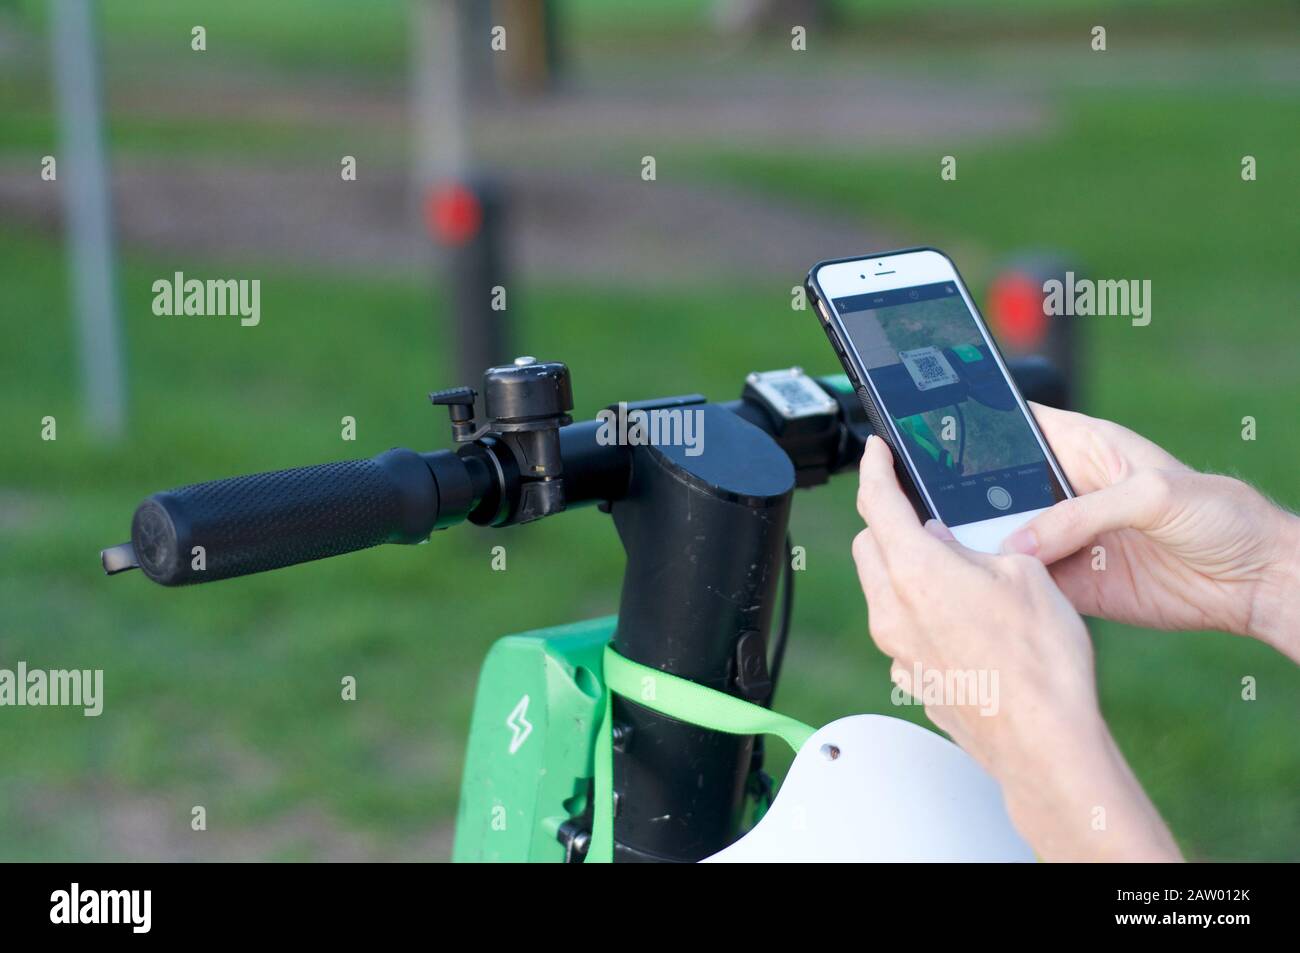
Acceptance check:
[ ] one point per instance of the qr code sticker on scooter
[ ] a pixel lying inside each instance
(928, 367)
(796, 397)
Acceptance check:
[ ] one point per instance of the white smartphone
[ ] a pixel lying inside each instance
(935, 388)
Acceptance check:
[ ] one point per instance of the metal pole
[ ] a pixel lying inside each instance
(464, 209)
(437, 37)
(83, 171)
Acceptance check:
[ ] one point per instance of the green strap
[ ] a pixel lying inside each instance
(681, 699)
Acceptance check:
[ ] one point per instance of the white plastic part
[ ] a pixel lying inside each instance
(875, 788)
(986, 536)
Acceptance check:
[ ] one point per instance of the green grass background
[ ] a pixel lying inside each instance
(228, 696)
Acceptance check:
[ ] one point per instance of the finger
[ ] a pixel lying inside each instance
(942, 533)
(884, 612)
(1097, 453)
(939, 531)
(1080, 581)
(873, 575)
(883, 505)
(1136, 503)
(1070, 435)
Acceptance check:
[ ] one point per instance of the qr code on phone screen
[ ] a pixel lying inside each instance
(928, 368)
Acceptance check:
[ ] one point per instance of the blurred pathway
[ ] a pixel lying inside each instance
(565, 226)
(573, 217)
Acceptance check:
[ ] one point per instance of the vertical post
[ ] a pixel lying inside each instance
(463, 210)
(1016, 309)
(467, 219)
(438, 94)
(530, 27)
(83, 172)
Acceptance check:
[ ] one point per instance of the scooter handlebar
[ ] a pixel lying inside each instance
(247, 524)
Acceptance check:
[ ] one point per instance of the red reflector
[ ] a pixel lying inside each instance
(453, 214)
(1016, 308)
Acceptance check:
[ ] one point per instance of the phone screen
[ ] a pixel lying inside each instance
(955, 412)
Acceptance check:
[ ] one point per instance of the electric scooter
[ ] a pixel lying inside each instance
(635, 737)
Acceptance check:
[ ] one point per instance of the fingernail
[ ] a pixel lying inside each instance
(1023, 541)
(938, 530)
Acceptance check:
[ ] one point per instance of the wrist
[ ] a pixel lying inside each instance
(1085, 805)
(1275, 604)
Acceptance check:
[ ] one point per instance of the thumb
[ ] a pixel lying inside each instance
(1135, 503)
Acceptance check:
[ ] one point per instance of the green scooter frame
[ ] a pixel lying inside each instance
(529, 761)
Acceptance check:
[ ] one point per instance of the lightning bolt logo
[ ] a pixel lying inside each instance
(520, 725)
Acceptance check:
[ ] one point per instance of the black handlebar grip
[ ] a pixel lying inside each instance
(265, 521)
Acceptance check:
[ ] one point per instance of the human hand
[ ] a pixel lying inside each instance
(939, 609)
(1180, 549)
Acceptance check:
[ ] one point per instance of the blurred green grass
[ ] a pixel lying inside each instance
(228, 696)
